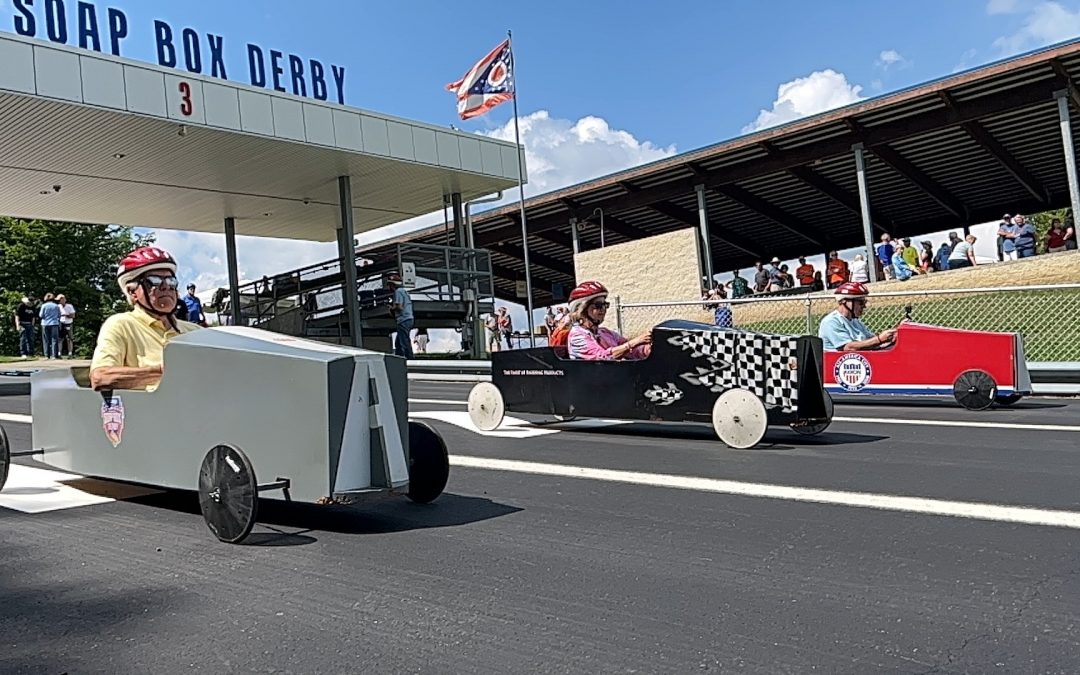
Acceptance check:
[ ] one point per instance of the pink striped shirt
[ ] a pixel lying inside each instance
(584, 344)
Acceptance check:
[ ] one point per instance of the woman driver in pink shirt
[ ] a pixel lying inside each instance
(588, 339)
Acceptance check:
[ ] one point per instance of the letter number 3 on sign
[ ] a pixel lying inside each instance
(185, 99)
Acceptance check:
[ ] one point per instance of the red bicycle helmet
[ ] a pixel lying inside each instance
(147, 257)
(852, 289)
(586, 292)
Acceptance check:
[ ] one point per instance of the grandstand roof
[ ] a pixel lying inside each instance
(959, 150)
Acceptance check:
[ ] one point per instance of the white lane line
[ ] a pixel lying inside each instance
(951, 423)
(17, 419)
(33, 490)
(974, 510)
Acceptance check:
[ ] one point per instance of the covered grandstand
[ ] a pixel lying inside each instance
(949, 153)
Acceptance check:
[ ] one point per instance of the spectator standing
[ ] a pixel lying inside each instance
(775, 280)
(491, 324)
(761, 278)
(837, 270)
(964, 254)
(819, 283)
(739, 287)
(1055, 238)
(1007, 233)
(941, 260)
(911, 255)
(25, 316)
(67, 326)
(860, 271)
(50, 326)
(954, 239)
(1070, 235)
(549, 321)
(885, 252)
(194, 306)
(1025, 238)
(804, 272)
(926, 257)
(403, 316)
(506, 327)
(786, 280)
(901, 270)
(421, 340)
(717, 302)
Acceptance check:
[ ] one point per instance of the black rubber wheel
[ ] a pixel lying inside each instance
(429, 463)
(814, 429)
(228, 493)
(1008, 399)
(5, 457)
(975, 389)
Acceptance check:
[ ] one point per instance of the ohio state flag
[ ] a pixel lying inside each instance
(487, 84)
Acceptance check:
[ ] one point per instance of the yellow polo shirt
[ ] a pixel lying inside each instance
(134, 339)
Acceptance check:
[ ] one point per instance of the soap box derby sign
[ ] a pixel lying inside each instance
(72, 23)
(319, 422)
(977, 368)
(739, 381)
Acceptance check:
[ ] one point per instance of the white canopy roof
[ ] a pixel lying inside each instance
(113, 135)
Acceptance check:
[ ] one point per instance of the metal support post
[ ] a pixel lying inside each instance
(459, 221)
(574, 235)
(234, 274)
(864, 206)
(1070, 152)
(703, 224)
(347, 256)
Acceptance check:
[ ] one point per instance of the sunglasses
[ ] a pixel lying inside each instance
(155, 281)
(601, 305)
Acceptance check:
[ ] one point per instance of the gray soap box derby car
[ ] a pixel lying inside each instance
(326, 423)
(739, 381)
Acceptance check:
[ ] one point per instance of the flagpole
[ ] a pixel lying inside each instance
(521, 197)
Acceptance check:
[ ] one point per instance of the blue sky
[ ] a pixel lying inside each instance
(603, 85)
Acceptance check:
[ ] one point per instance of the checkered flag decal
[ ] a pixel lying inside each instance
(761, 363)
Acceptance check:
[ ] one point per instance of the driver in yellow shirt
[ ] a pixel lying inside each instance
(130, 347)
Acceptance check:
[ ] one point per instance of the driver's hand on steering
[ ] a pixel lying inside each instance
(645, 339)
(887, 335)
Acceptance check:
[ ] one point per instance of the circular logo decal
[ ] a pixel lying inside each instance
(497, 75)
(852, 371)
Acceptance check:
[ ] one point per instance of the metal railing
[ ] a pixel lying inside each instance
(1048, 316)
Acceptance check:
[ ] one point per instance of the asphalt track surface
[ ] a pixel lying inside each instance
(516, 572)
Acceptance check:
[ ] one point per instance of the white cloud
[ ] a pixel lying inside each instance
(817, 92)
(965, 60)
(1044, 23)
(558, 152)
(890, 57)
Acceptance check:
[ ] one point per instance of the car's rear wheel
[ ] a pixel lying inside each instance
(486, 406)
(739, 418)
(228, 493)
(429, 463)
(975, 389)
(814, 429)
(1008, 399)
(5, 457)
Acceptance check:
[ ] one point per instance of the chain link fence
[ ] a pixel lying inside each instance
(1048, 317)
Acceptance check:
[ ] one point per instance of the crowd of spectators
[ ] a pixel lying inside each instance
(56, 316)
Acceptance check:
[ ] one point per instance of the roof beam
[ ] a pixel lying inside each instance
(512, 275)
(687, 217)
(983, 137)
(535, 258)
(1067, 81)
(791, 223)
(836, 193)
(908, 170)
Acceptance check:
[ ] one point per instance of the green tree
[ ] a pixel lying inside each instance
(78, 260)
(1042, 225)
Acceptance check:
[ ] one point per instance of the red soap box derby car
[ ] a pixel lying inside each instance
(977, 368)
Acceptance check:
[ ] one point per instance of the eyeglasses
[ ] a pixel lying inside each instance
(155, 281)
(601, 305)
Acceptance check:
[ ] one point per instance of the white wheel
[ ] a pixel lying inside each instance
(486, 407)
(739, 418)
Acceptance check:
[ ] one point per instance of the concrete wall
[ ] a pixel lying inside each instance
(662, 267)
